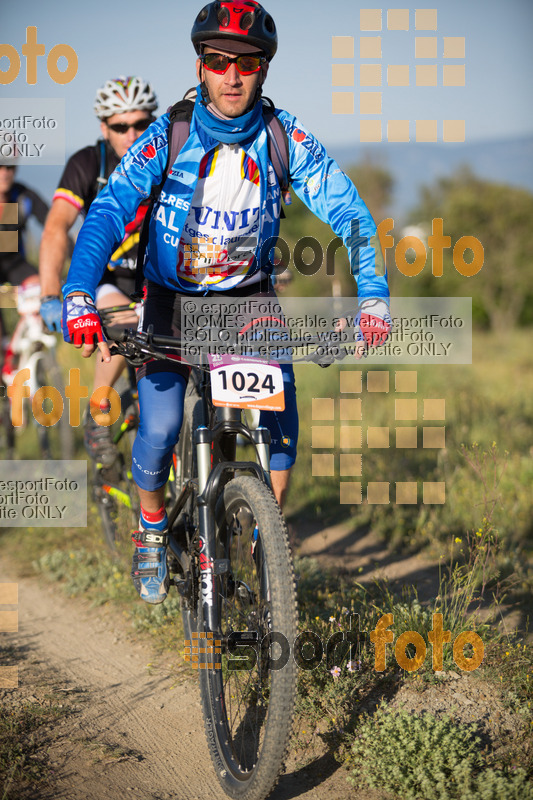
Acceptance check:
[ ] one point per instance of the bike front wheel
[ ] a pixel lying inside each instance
(248, 702)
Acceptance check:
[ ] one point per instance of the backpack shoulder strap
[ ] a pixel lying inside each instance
(101, 180)
(180, 115)
(278, 149)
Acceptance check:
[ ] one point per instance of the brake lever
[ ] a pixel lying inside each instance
(325, 356)
(133, 352)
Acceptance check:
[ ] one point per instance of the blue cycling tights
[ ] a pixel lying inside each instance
(161, 399)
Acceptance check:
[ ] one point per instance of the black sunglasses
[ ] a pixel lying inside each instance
(246, 65)
(123, 127)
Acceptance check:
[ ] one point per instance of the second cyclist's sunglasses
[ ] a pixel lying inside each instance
(123, 127)
(246, 65)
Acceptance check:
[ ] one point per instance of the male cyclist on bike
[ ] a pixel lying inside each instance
(14, 268)
(125, 108)
(222, 173)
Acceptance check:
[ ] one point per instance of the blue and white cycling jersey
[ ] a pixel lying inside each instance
(198, 240)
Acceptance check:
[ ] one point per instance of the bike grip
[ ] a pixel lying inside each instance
(116, 333)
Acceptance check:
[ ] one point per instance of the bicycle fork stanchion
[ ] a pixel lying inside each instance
(202, 441)
(209, 477)
(261, 439)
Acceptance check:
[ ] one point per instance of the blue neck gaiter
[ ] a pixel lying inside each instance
(228, 131)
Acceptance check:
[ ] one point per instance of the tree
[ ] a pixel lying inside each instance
(500, 216)
(374, 184)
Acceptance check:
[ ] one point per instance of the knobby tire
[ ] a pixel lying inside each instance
(248, 712)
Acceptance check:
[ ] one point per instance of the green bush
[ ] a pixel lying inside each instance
(425, 758)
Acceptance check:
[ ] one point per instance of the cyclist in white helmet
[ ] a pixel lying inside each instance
(125, 107)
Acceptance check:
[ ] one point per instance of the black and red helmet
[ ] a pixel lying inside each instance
(246, 24)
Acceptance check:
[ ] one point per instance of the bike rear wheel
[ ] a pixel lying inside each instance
(55, 441)
(185, 455)
(113, 488)
(248, 712)
(7, 431)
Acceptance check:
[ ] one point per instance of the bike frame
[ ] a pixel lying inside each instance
(223, 433)
(216, 429)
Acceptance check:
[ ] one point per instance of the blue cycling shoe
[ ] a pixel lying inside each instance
(149, 569)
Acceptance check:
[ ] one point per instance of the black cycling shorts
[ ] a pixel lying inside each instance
(162, 310)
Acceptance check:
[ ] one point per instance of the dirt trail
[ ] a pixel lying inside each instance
(367, 557)
(133, 733)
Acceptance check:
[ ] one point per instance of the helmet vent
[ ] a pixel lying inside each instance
(223, 17)
(247, 20)
(269, 24)
(202, 16)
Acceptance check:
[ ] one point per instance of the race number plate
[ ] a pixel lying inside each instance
(243, 382)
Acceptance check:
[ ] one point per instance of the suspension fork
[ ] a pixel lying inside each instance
(209, 565)
(206, 524)
(209, 476)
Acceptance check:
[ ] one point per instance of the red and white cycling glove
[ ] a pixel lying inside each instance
(81, 321)
(374, 322)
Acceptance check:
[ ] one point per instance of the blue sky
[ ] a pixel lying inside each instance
(152, 39)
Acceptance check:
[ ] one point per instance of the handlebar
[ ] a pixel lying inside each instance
(140, 346)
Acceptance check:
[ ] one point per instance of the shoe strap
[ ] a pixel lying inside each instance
(149, 558)
(147, 572)
(151, 538)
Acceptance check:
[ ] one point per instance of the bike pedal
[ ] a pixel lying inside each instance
(182, 585)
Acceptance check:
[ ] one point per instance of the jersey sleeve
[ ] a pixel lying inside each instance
(328, 192)
(141, 168)
(78, 181)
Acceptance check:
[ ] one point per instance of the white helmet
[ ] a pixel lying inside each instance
(124, 94)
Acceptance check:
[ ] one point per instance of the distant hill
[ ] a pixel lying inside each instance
(414, 164)
(504, 161)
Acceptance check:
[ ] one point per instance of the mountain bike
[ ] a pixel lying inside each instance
(32, 347)
(230, 561)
